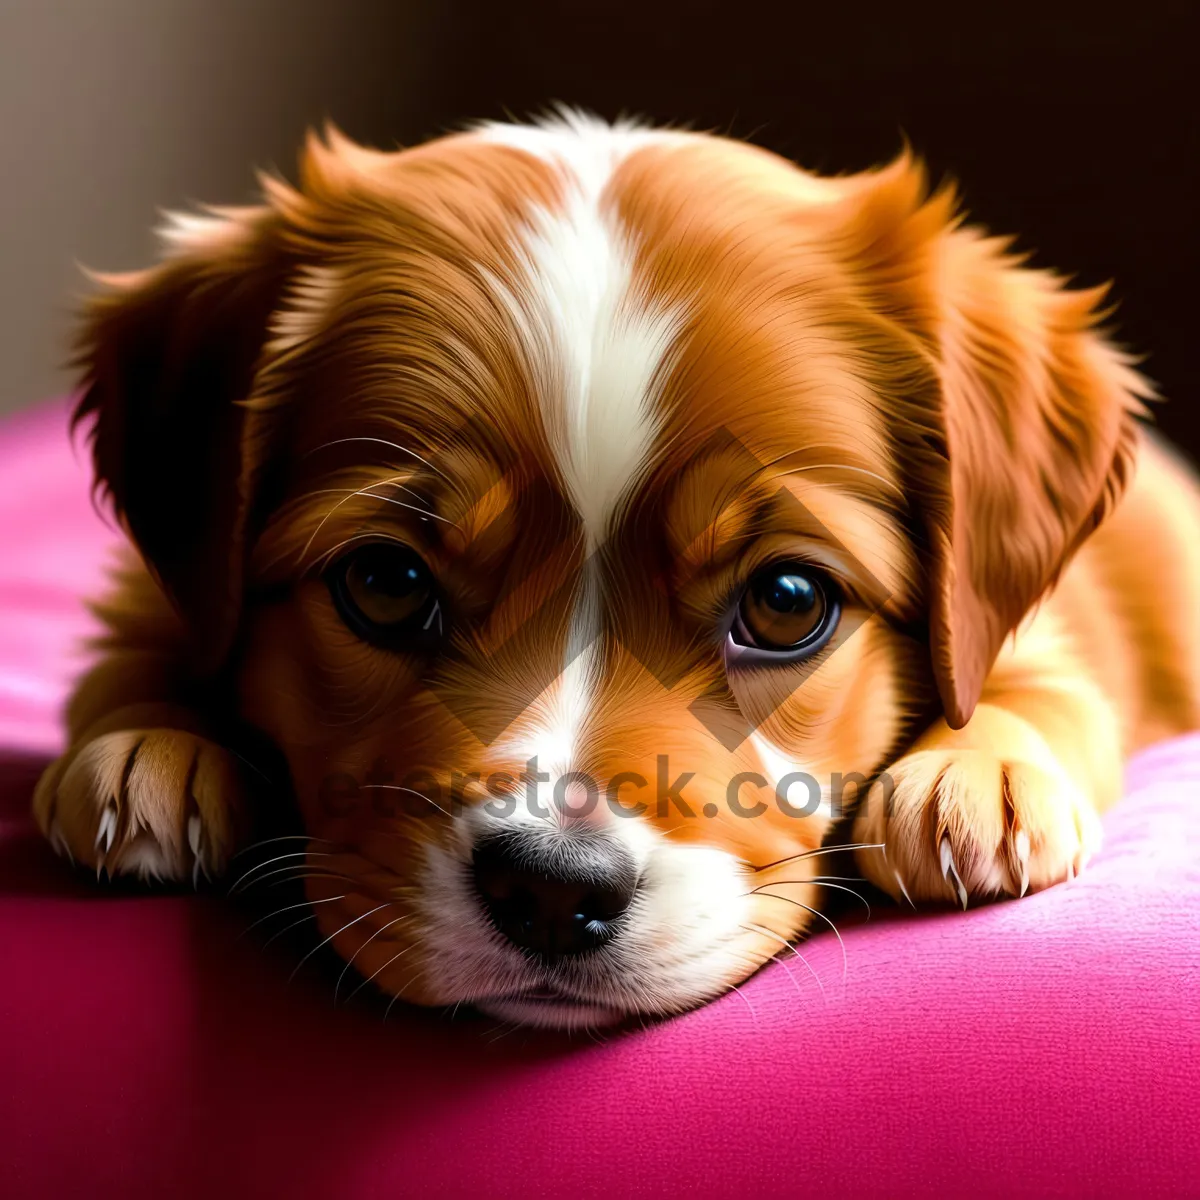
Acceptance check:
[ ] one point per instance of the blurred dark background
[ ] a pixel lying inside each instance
(1076, 126)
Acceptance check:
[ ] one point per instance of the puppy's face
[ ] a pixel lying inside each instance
(594, 534)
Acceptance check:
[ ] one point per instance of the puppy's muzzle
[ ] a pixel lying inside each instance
(554, 897)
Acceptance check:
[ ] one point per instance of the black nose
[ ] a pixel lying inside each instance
(556, 897)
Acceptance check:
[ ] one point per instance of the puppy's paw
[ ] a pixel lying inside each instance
(156, 803)
(963, 823)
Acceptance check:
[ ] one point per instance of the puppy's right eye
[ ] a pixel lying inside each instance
(387, 596)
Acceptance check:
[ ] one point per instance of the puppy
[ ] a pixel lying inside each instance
(592, 515)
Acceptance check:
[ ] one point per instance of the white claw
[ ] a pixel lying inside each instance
(903, 889)
(1070, 871)
(1021, 847)
(950, 871)
(108, 829)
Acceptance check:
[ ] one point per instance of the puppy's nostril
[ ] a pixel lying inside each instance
(554, 900)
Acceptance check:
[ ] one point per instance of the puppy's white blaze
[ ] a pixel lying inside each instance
(597, 349)
(556, 719)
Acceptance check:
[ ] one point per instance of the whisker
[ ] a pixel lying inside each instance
(392, 482)
(305, 854)
(363, 917)
(747, 1003)
(818, 851)
(322, 522)
(369, 535)
(808, 967)
(501, 1031)
(395, 787)
(287, 837)
(817, 882)
(815, 913)
(381, 442)
(788, 946)
(350, 961)
(252, 766)
(287, 928)
(302, 874)
(287, 908)
(350, 493)
(363, 983)
(888, 483)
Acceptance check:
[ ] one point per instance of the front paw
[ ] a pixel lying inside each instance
(963, 823)
(157, 803)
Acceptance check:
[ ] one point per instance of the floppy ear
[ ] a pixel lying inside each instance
(167, 356)
(1026, 438)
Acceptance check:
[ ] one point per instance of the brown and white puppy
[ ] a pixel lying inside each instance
(579, 510)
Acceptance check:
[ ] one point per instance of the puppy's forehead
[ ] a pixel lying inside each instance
(674, 299)
(596, 341)
(602, 304)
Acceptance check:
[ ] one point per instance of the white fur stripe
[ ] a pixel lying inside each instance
(597, 349)
(597, 352)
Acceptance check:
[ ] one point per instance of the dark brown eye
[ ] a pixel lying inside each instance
(786, 608)
(386, 595)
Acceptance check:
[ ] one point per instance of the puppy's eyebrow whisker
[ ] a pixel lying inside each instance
(379, 442)
(891, 485)
(350, 493)
(323, 561)
(346, 500)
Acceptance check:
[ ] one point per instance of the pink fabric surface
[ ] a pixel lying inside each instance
(1049, 1047)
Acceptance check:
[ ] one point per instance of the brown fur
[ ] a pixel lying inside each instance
(861, 380)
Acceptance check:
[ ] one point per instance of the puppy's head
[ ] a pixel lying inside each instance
(586, 513)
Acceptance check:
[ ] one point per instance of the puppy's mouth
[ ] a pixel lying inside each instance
(549, 1007)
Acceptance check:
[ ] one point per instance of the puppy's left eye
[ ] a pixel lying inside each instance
(386, 595)
(787, 610)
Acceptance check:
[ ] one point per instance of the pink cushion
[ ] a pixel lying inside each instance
(1046, 1047)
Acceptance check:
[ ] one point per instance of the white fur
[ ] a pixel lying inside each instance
(597, 350)
(551, 727)
(212, 230)
(311, 299)
(596, 347)
(682, 939)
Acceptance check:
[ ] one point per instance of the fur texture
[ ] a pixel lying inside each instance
(598, 377)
